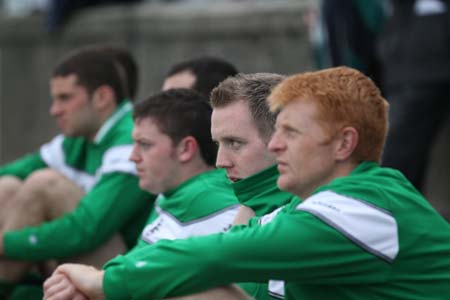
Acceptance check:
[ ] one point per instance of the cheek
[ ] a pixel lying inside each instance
(285, 181)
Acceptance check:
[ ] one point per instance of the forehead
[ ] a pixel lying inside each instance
(298, 113)
(146, 128)
(233, 119)
(184, 79)
(64, 82)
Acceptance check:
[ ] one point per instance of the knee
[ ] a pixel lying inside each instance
(9, 185)
(41, 181)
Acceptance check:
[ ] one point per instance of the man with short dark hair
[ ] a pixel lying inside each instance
(126, 66)
(81, 183)
(174, 156)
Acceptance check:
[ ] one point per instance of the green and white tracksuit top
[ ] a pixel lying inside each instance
(202, 205)
(113, 201)
(261, 194)
(368, 235)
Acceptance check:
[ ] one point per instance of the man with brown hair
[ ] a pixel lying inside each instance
(77, 198)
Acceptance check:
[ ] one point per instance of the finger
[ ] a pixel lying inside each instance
(65, 294)
(60, 290)
(61, 269)
(51, 281)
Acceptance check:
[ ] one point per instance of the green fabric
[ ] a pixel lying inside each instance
(24, 166)
(113, 201)
(316, 259)
(198, 196)
(202, 205)
(27, 292)
(5, 289)
(30, 288)
(372, 13)
(260, 192)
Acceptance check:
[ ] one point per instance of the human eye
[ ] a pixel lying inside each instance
(143, 145)
(64, 97)
(290, 132)
(233, 144)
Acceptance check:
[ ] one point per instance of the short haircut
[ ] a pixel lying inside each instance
(127, 67)
(344, 97)
(93, 69)
(253, 89)
(180, 113)
(208, 71)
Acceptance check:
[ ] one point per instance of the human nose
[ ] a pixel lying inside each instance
(134, 156)
(276, 143)
(223, 160)
(55, 108)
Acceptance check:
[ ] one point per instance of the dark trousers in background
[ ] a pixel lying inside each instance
(416, 114)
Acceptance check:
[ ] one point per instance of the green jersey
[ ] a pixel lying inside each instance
(261, 193)
(368, 235)
(113, 201)
(202, 205)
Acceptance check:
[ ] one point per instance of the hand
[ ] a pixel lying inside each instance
(86, 279)
(244, 214)
(58, 287)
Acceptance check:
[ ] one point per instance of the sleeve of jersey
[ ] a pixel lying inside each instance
(24, 166)
(114, 201)
(296, 246)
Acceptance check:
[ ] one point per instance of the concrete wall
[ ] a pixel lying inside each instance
(266, 37)
(256, 36)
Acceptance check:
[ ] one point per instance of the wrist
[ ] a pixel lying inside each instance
(98, 285)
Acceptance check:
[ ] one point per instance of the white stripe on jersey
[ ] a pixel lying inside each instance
(167, 227)
(115, 159)
(267, 218)
(53, 155)
(372, 228)
(276, 289)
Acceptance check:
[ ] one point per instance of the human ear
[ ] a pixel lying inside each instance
(187, 148)
(103, 97)
(347, 142)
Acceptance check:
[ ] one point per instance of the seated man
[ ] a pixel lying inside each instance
(83, 174)
(243, 152)
(174, 156)
(350, 238)
(126, 66)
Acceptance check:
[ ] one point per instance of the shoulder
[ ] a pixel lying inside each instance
(207, 194)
